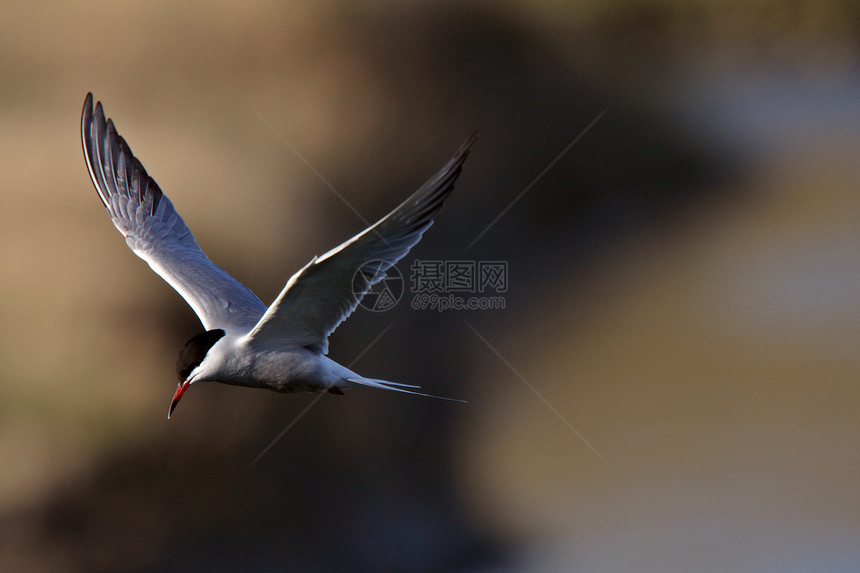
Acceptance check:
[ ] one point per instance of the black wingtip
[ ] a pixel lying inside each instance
(103, 149)
(88, 121)
(463, 152)
(100, 112)
(466, 147)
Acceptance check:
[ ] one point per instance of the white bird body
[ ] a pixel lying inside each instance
(282, 347)
(232, 360)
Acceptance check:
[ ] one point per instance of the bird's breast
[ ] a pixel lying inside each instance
(287, 371)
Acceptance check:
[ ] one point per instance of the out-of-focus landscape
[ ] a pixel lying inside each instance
(671, 386)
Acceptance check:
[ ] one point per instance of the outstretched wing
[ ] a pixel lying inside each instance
(155, 231)
(326, 291)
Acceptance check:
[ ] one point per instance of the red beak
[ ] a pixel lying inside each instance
(180, 390)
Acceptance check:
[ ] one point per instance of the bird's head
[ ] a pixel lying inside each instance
(190, 357)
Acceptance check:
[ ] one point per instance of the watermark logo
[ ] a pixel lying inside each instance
(434, 285)
(458, 285)
(387, 291)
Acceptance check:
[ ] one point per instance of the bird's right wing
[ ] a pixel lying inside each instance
(156, 233)
(326, 291)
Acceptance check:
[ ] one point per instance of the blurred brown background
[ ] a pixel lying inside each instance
(684, 287)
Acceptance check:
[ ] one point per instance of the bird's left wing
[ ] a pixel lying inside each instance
(326, 291)
(154, 230)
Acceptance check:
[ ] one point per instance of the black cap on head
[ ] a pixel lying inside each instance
(195, 351)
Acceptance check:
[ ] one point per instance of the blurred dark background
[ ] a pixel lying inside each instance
(671, 386)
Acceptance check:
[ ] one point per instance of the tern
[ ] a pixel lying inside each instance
(282, 347)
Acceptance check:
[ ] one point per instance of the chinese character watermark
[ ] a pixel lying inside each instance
(434, 284)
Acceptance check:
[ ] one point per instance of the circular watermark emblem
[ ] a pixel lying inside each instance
(387, 291)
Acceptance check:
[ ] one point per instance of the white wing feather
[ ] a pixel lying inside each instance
(326, 291)
(156, 233)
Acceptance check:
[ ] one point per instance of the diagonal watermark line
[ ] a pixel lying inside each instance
(287, 429)
(540, 175)
(311, 167)
(538, 394)
(321, 394)
(372, 344)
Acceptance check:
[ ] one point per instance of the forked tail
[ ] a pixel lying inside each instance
(397, 387)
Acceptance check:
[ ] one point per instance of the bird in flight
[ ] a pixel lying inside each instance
(282, 347)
